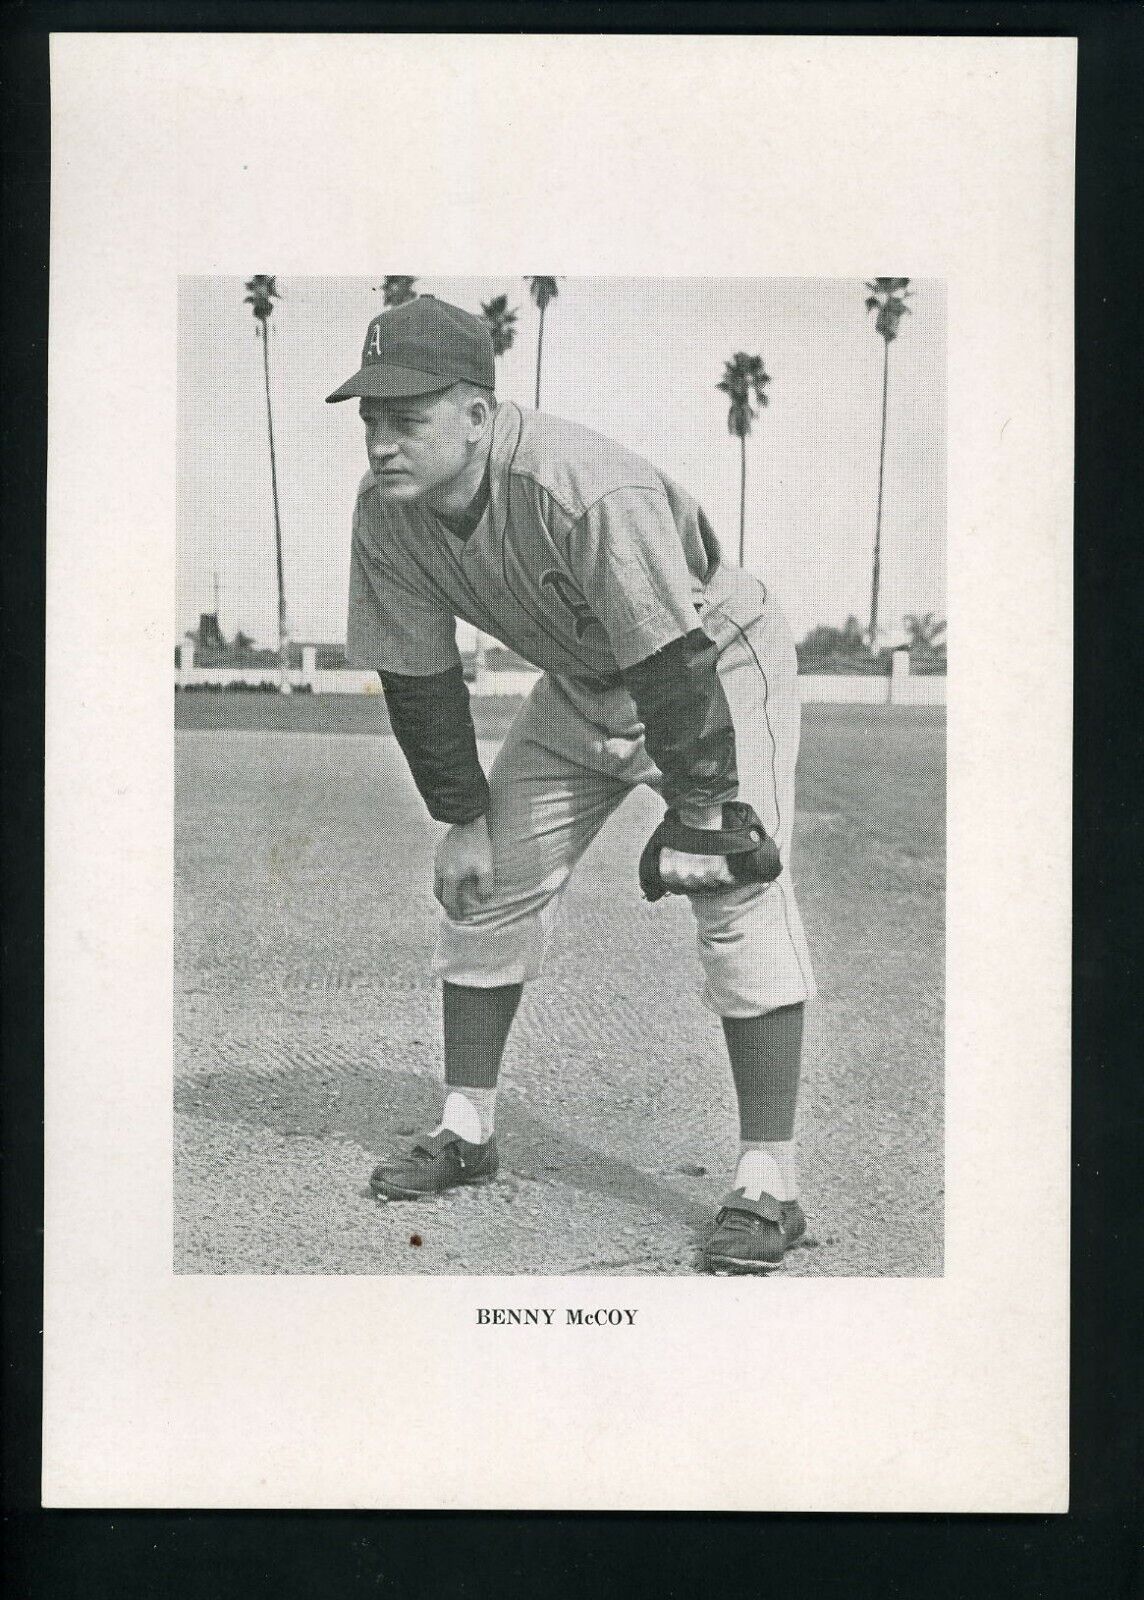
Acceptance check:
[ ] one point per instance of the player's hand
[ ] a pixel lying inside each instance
(688, 874)
(463, 868)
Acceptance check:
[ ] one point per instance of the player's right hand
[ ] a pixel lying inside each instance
(681, 873)
(463, 868)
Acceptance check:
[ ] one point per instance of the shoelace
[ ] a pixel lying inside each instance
(432, 1155)
(744, 1221)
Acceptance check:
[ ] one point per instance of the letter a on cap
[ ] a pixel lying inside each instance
(421, 347)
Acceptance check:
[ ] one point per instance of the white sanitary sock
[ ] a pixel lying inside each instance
(471, 1113)
(767, 1168)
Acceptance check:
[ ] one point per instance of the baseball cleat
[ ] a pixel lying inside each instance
(436, 1162)
(751, 1235)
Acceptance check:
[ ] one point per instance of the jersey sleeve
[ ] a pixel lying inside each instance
(687, 722)
(409, 637)
(626, 556)
(393, 624)
(433, 723)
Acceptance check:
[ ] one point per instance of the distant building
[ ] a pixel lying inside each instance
(210, 634)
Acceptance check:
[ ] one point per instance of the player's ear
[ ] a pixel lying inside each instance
(479, 408)
(480, 411)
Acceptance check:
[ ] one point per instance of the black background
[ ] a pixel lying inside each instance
(1094, 1550)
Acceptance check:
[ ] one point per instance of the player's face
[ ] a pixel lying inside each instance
(415, 444)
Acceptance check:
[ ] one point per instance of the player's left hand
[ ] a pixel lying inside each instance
(463, 868)
(687, 874)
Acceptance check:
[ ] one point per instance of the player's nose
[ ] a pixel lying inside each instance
(381, 444)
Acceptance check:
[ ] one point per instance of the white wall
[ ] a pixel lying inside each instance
(814, 688)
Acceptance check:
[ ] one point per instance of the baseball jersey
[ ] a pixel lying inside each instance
(586, 560)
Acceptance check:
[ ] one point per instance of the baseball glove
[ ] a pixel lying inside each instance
(751, 853)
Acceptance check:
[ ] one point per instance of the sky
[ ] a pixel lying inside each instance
(635, 358)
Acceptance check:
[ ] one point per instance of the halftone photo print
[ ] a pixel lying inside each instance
(559, 713)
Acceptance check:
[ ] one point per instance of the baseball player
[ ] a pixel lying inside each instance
(662, 665)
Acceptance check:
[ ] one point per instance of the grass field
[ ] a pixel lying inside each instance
(307, 1034)
(317, 713)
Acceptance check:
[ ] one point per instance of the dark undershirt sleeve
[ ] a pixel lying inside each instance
(687, 721)
(433, 724)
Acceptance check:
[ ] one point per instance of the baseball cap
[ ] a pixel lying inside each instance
(421, 346)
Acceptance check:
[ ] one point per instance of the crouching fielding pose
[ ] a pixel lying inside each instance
(662, 666)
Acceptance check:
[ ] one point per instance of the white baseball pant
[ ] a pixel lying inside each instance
(572, 755)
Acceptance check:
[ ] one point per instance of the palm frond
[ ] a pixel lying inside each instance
(888, 299)
(397, 289)
(501, 323)
(744, 380)
(260, 296)
(542, 290)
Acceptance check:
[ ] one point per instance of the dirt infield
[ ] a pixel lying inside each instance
(307, 1031)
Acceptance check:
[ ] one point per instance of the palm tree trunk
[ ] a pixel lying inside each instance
(539, 348)
(877, 576)
(283, 632)
(742, 497)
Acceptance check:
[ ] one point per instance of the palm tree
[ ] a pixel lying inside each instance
(542, 290)
(396, 290)
(501, 323)
(888, 298)
(744, 379)
(260, 297)
(923, 633)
